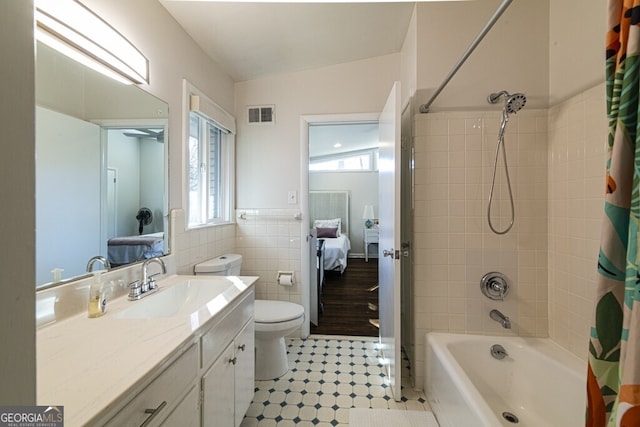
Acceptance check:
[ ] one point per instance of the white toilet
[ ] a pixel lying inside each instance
(273, 320)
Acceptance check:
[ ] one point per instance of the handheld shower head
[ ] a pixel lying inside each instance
(512, 104)
(515, 103)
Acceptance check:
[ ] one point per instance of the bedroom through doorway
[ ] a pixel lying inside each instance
(343, 203)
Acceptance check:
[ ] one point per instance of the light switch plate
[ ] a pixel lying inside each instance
(292, 197)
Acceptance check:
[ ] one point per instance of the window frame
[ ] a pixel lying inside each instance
(209, 115)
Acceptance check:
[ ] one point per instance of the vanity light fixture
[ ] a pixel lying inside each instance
(75, 31)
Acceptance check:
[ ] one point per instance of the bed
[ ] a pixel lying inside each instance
(335, 253)
(329, 215)
(128, 249)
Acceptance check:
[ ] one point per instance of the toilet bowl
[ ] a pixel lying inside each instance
(273, 320)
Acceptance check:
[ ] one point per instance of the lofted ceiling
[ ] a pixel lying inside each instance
(253, 40)
(335, 138)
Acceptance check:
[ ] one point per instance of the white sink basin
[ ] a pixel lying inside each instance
(182, 299)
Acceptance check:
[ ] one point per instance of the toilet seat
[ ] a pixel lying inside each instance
(277, 312)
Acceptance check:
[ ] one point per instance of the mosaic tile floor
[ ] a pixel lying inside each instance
(328, 376)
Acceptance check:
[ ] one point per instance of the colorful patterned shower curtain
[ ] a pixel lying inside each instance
(613, 382)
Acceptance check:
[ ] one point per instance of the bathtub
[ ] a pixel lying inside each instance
(538, 384)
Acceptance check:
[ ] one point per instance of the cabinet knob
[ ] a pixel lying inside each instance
(242, 347)
(233, 361)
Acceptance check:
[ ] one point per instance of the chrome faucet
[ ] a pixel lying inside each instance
(148, 285)
(98, 258)
(149, 280)
(500, 318)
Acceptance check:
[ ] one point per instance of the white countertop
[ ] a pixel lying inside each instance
(86, 364)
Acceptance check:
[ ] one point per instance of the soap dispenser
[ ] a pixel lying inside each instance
(97, 301)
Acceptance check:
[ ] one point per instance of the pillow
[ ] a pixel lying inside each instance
(329, 232)
(329, 223)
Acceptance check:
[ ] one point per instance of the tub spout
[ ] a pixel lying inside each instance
(500, 318)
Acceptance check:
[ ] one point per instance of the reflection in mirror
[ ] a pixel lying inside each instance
(100, 170)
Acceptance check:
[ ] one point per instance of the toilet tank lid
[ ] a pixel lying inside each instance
(269, 311)
(218, 264)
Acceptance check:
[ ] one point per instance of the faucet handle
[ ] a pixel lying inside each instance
(494, 286)
(152, 282)
(135, 290)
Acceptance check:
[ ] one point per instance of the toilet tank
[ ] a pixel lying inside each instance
(224, 265)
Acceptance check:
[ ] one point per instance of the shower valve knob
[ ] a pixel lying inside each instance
(494, 286)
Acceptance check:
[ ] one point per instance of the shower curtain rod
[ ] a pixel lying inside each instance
(424, 108)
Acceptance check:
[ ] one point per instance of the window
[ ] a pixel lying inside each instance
(208, 150)
(210, 161)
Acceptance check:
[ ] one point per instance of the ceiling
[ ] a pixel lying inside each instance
(253, 40)
(330, 139)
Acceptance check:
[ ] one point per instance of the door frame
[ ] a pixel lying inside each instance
(305, 267)
(407, 338)
(111, 217)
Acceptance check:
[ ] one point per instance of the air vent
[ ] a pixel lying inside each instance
(261, 114)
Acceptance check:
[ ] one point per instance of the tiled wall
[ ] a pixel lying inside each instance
(577, 142)
(269, 240)
(197, 245)
(556, 159)
(454, 247)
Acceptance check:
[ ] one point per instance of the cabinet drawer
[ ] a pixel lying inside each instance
(220, 335)
(371, 235)
(168, 387)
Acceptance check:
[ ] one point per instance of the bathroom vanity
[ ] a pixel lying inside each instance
(184, 359)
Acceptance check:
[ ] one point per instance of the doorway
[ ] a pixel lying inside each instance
(389, 231)
(339, 155)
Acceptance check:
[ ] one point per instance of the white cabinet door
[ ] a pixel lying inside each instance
(245, 371)
(228, 386)
(217, 391)
(186, 414)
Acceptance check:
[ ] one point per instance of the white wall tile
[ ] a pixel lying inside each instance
(461, 246)
(577, 137)
(270, 242)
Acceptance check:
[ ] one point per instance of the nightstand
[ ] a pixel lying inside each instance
(370, 236)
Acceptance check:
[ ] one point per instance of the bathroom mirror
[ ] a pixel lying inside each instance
(101, 170)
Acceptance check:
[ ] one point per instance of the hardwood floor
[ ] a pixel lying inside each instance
(346, 300)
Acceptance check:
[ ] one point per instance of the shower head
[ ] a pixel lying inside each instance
(515, 103)
(512, 104)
